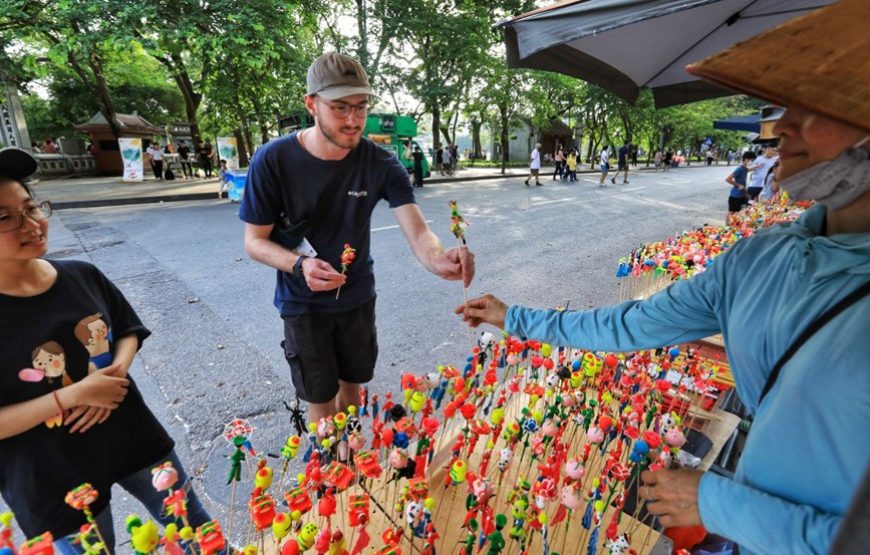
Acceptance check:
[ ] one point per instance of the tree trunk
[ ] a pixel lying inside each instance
(362, 28)
(505, 137)
(244, 160)
(191, 98)
(476, 150)
(104, 99)
(436, 126)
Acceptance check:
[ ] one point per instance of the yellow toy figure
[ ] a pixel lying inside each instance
(264, 475)
(143, 537)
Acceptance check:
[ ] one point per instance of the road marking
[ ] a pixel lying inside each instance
(633, 189)
(550, 201)
(392, 227)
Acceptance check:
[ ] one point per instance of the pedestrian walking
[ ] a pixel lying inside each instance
(307, 196)
(417, 156)
(622, 163)
(204, 153)
(184, 159)
(668, 159)
(223, 178)
(534, 165)
(155, 153)
(571, 163)
(439, 160)
(558, 160)
(760, 168)
(657, 159)
(738, 197)
(604, 163)
(70, 412)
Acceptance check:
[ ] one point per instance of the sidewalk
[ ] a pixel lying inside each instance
(89, 191)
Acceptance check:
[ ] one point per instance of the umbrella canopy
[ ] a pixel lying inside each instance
(626, 45)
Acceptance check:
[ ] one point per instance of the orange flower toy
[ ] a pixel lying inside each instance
(348, 255)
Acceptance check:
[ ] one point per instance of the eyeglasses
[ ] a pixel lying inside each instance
(10, 221)
(342, 109)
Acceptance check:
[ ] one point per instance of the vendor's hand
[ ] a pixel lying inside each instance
(486, 309)
(672, 495)
(321, 276)
(83, 418)
(454, 264)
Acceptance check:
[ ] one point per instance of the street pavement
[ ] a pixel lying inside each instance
(214, 353)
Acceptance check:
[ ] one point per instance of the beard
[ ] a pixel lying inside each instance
(336, 134)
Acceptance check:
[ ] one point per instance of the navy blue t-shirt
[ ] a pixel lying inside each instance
(623, 154)
(284, 177)
(739, 175)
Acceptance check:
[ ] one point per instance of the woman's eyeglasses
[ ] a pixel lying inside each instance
(10, 221)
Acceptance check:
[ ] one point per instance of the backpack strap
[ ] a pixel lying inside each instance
(817, 324)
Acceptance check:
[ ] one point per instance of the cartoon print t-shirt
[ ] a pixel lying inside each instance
(53, 340)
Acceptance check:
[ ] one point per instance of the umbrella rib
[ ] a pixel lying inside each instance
(694, 44)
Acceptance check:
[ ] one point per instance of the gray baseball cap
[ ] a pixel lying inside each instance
(17, 163)
(333, 76)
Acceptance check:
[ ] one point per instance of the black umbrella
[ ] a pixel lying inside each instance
(626, 45)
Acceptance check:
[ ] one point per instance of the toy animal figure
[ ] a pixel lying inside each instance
(144, 537)
(620, 545)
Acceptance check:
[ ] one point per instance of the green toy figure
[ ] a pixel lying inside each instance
(237, 457)
(471, 537)
(496, 540)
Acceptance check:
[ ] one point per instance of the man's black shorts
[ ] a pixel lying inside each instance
(622, 166)
(324, 348)
(735, 204)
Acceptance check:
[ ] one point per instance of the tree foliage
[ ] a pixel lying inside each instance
(236, 66)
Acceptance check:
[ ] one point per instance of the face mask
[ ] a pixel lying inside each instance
(835, 183)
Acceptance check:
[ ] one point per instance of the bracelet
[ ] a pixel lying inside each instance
(57, 400)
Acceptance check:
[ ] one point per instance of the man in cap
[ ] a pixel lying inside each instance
(321, 185)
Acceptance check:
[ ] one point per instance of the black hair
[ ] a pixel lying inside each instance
(5, 178)
(749, 155)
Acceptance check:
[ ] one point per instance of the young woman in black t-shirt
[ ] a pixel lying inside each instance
(69, 413)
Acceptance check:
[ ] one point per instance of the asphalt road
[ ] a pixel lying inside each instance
(214, 351)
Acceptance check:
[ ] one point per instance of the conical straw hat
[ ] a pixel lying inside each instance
(820, 62)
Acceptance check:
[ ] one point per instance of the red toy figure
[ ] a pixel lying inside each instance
(210, 538)
(367, 463)
(298, 500)
(262, 509)
(338, 475)
(326, 505)
(40, 545)
(358, 509)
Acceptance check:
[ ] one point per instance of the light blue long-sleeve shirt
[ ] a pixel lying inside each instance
(810, 439)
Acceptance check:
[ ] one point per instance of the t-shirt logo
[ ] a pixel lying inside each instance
(357, 194)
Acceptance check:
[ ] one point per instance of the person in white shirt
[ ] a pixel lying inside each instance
(535, 165)
(759, 170)
(156, 154)
(605, 166)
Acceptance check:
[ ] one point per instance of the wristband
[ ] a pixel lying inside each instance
(57, 400)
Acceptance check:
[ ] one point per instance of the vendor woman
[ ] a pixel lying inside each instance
(809, 445)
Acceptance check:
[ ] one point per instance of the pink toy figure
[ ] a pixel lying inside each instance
(595, 434)
(164, 477)
(571, 498)
(675, 438)
(574, 469)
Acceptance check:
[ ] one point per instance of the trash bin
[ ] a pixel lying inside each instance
(236, 180)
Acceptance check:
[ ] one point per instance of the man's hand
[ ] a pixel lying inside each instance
(486, 309)
(456, 263)
(321, 276)
(672, 495)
